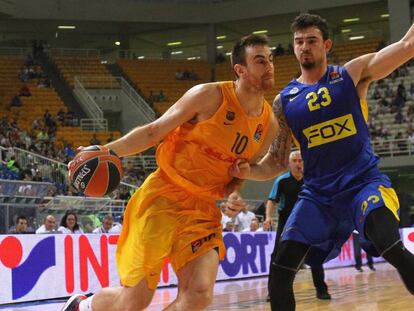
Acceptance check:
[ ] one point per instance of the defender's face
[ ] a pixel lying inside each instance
(259, 68)
(310, 48)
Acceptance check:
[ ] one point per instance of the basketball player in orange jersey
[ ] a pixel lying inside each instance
(174, 213)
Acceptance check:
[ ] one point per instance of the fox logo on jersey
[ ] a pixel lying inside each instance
(329, 131)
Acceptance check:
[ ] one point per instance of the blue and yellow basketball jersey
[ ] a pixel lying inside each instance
(329, 121)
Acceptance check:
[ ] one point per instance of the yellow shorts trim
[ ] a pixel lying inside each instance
(390, 199)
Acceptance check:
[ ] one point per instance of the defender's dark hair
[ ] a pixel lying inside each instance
(238, 54)
(306, 20)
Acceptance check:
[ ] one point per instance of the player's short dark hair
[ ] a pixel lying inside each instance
(238, 54)
(306, 20)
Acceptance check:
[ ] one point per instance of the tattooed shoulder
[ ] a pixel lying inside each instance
(280, 147)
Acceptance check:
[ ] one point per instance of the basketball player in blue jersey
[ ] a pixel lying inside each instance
(325, 111)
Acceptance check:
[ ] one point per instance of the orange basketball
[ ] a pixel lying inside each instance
(95, 171)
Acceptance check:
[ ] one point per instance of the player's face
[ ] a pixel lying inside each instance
(259, 70)
(310, 48)
(296, 164)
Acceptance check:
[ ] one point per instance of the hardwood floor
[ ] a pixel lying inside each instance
(381, 290)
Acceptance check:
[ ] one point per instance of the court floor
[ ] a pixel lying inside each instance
(351, 290)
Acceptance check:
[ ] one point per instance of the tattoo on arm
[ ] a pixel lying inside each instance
(280, 147)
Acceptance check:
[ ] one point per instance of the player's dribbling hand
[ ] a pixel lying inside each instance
(72, 163)
(240, 169)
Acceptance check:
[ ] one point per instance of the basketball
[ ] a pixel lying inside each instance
(95, 171)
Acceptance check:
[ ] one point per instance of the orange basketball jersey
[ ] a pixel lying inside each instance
(197, 156)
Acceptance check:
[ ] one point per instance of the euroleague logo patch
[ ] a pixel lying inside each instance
(230, 116)
(258, 133)
(195, 246)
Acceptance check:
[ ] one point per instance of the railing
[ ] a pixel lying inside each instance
(147, 162)
(53, 171)
(74, 52)
(14, 188)
(393, 147)
(11, 51)
(138, 101)
(94, 124)
(99, 82)
(91, 108)
(91, 82)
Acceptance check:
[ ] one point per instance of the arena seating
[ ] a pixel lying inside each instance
(70, 67)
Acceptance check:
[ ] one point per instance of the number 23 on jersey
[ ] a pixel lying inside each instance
(313, 99)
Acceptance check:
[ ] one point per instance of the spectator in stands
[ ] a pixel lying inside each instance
(399, 101)
(220, 58)
(411, 139)
(70, 119)
(43, 82)
(87, 224)
(193, 75)
(25, 91)
(124, 193)
(162, 97)
(12, 165)
(21, 226)
(42, 135)
(279, 50)
(24, 74)
(230, 227)
(399, 118)
(186, 74)
(15, 101)
(244, 218)
(94, 140)
(38, 176)
(117, 227)
(49, 225)
(388, 92)
(179, 75)
(36, 124)
(68, 150)
(110, 138)
(107, 223)
(376, 94)
(60, 116)
(290, 49)
(254, 226)
(69, 223)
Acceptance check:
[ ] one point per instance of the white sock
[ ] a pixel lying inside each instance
(86, 305)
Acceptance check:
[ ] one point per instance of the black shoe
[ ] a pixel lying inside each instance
(372, 267)
(73, 303)
(323, 295)
(359, 269)
(267, 298)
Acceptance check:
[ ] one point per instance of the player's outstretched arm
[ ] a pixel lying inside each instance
(375, 66)
(277, 157)
(198, 100)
